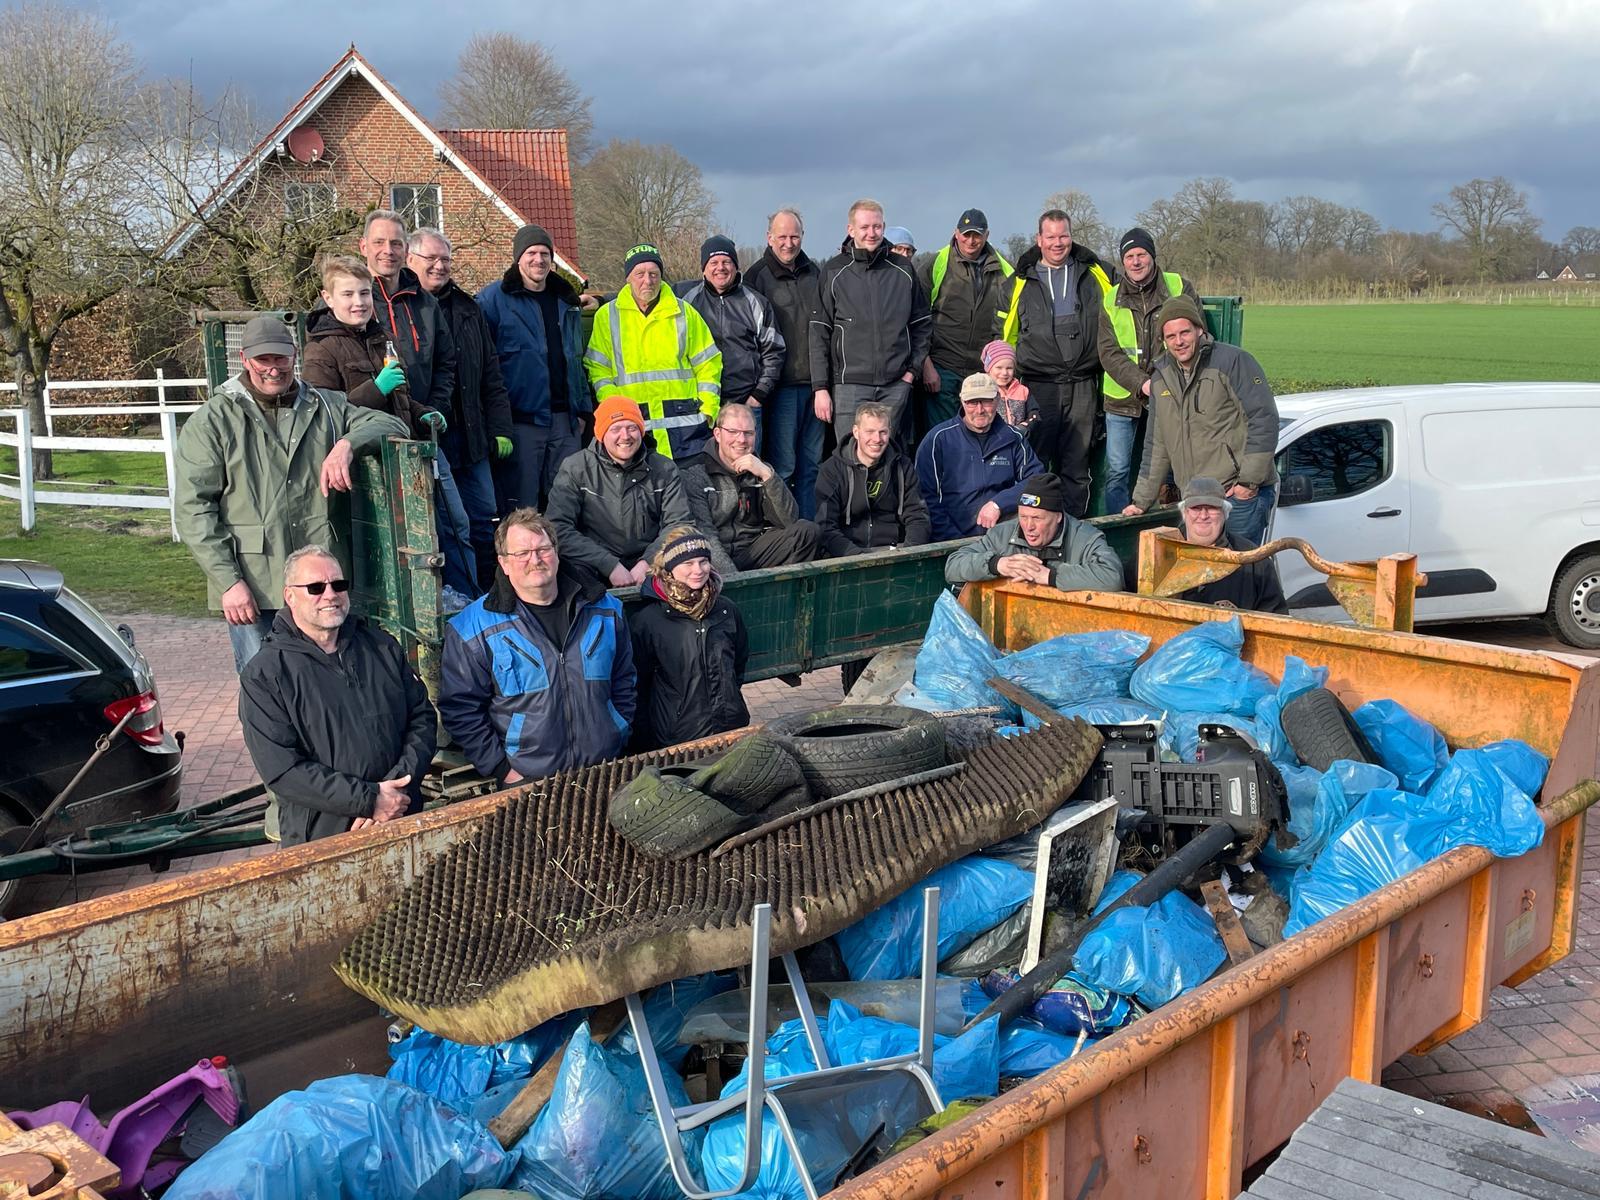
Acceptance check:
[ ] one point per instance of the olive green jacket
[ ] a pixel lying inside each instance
(244, 502)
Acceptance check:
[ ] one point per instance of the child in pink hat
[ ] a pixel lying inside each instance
(1017, 408)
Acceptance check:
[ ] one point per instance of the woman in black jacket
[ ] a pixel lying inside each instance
(689, 647)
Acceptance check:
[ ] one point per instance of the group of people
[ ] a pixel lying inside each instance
(681, 442)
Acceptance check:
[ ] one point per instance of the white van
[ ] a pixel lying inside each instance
(1495, 487)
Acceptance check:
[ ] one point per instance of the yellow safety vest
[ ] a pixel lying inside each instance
(1013, 323)
(665, 361)
(1127, 335)
(941, 264)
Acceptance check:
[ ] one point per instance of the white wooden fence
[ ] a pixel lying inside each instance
(24, 438)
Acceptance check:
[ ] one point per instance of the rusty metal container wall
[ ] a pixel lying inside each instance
(1181, 1103)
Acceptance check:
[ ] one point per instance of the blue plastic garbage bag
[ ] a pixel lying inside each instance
(1075, 667)
(1475, 802)
(1027, 1048)
(1410, 747)
(975, 895)
(1200, 670)
(1119, 882)
(1151, 953)
(1339, 789)
(966, 1065)
(1071, 1006)
(955, 659)
(1380, 844)
(665, 1009)
(597, 1137)
(1107, 710)
(458, 1074)
(1180, 733)
(1298, 677)
(352, 1135)
(1522, 764)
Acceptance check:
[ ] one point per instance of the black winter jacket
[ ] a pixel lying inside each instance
(422, 338)
(341, 359)
(690, 672)
(738, 508)
(324, 729)
(872, 323)
(1045, 351)
(869, 508)
(481, 408)
(970, 308)
(1255, 588)
(746, 331)
(793, 292)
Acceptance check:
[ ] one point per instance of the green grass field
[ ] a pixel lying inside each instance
(1304, 348)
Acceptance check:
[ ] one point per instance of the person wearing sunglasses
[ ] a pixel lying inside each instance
(335, 718)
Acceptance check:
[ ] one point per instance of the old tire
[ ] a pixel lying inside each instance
(1574, 613)
(663, 817)
(1321, 730)
(750, 775)
(857, 745)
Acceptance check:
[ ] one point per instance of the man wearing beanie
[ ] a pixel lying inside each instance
(1129, 344)
(1255, 586)
(967, 289)
(1213, 415)
(651, 347)
(744, 325)
(1042, 544)
(535, 316)
(612, 500)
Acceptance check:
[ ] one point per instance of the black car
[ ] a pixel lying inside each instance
(66, 679)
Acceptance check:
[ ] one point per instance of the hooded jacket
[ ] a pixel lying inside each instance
(1079, 557)
(793, 292)
(968, 300)
(727, 503)
(746, 330)
(245, 501)
(342, 359)
(869, 508)
(416, 323)
(1255, 588)
(511, 698)
(481, 410)
(961, 471)
(324, 729)
(1044, 350)
(691, 673)
(609, 513)
(872, 323)
(1130, 369)
(515, 320)
(1221, 422)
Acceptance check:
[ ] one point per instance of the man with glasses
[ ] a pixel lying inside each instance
(971, 468)
(336, 721)
(537, 676)
(261, 469)
(745, 501)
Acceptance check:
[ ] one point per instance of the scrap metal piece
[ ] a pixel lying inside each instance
(52, 1163)
(1232, 932)
(547, 909)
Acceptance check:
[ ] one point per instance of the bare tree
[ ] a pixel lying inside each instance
(72, 214)
(1208, 230)
(1495, 224)
(1017, 245)
(1087, 227)
(630, 192)
(503, 81)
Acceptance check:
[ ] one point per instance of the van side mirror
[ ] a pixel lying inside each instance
(1295, 489)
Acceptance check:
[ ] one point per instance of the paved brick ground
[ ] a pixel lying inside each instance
(1547, 1029)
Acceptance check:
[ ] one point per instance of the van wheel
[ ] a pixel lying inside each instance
(1574, 614)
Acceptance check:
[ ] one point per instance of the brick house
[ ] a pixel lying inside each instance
(352, 144)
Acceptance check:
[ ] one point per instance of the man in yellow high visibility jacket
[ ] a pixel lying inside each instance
(658, 352)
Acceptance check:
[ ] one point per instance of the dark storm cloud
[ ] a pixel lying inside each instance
(1379, 103)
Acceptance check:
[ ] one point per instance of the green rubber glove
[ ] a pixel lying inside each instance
(436, 419)
(390, 378)
(503, 446)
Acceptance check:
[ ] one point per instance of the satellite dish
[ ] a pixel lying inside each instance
(305, 145)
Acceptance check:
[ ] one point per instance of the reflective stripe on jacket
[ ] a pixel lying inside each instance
(1127, 331)
(973, 308)
(1030, 323)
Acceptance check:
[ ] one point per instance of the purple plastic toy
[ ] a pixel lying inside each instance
(175, 1109)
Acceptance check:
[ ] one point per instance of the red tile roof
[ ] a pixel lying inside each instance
(528, 167)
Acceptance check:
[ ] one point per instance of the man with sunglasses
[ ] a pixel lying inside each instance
(336, 721)
(537, 676)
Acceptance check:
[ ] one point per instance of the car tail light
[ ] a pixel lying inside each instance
(145, 726)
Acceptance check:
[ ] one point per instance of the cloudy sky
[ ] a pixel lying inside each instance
(1384, 104)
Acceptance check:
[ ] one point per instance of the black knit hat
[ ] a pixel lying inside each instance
(1137, 239)
(642, 253)
(530, 235)
(1047, 492)
(717, 244)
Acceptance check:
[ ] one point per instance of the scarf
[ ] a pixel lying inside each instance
(691, 602)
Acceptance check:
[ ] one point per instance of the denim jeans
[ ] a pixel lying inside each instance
(1250, 519)
(524, 479)
(794, 442)
(455, 539)
(475, 482)
(895, 396)
(246, 639)
(1122, 435)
